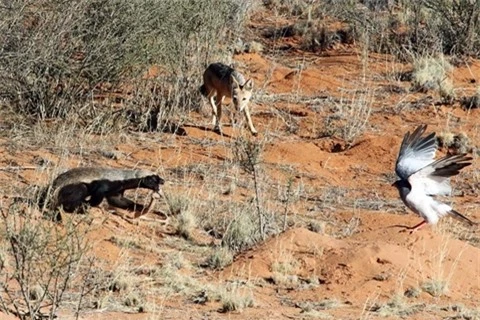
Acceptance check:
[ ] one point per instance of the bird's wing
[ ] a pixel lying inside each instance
(433, 179)
(415, 153)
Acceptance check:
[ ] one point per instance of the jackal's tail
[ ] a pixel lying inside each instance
(203, 90)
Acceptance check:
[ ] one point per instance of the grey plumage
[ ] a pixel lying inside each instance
(421, 177)
(415, 152)
(450, 165)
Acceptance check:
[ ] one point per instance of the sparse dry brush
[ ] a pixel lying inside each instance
(248, 156)
(85, 61)
(43, 265)
(405, 27)
(349, 119)
(433, 73)
(57, 57)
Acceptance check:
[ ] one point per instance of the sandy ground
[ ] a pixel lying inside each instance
(343, 255)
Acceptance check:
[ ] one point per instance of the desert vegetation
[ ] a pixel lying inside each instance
(297, 222)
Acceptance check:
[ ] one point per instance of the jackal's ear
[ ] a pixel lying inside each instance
(235, 83)
(248, 85)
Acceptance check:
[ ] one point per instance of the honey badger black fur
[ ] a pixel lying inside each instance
(90, 185)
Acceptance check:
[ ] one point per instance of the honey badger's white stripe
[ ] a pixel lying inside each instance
(87, 175)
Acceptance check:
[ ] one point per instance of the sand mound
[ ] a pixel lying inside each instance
(396, 262)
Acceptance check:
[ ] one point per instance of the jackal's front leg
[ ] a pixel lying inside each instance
(217, 113)
(246, 111)
(214, 110)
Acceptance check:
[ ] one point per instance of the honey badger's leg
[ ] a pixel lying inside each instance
(72, 196)
(113, 191)
(119, 201)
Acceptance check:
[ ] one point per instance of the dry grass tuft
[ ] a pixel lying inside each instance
(185, 224)
(412, 292)
(397, 307)
(436, 288)
(350, 118)
(242, 232)
(457, 143)
(220, 258)
(431, 73)
(254, 47)
(235, 299)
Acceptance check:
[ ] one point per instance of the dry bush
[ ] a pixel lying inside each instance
(44, 265)
(220, 258)
(372, 24)
(437, 281)
(247, 154)
(455, 23)
(311, 21)
(182, 208)
(185, 224)
(233, 299)
(177, 203)
(285, 268)
(457, 143)
(350, 118)
(430, 26)
(171, 280)
(462, 312)
(436, 288)
(397, 307)
(314, 310)
(254, 47)
(297, 8)
(243, 230)
(56, 56)
(316, 37)
(431, 73)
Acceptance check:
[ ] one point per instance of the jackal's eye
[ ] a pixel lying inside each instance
(235, 99)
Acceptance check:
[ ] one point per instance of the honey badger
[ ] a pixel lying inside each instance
(90, 185)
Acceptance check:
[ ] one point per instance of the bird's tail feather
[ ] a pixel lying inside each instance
(457, 215)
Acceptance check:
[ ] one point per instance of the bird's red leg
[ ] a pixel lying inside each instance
(416, 227)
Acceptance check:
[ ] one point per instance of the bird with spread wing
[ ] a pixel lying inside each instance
(421, 177)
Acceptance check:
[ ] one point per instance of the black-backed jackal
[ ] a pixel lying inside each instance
(220, 81)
